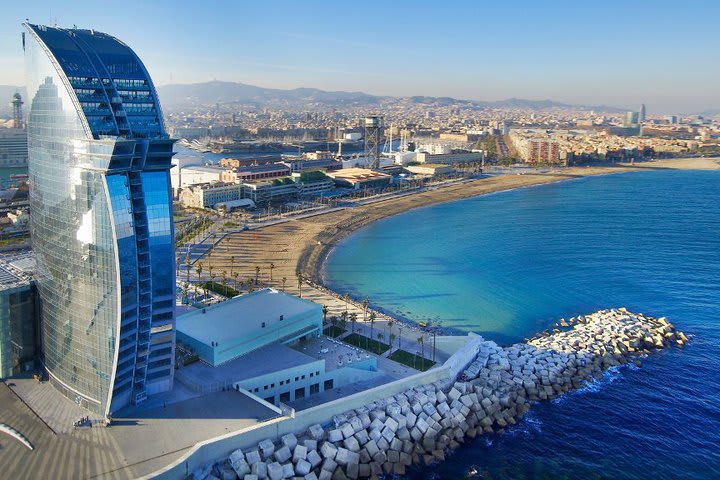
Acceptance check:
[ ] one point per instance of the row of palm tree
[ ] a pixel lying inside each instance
(352, 317)
(251, 282)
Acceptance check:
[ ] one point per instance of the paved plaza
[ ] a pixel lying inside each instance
(140, 440)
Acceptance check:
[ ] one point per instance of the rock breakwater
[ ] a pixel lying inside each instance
(422, 425)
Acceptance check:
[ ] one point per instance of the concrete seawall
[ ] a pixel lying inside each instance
(482, 391)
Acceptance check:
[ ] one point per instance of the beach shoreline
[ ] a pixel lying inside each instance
(313, 260)
(301, 246)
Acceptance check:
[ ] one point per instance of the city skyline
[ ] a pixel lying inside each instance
(618, 55)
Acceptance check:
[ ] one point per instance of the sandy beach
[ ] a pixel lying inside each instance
(302, 245)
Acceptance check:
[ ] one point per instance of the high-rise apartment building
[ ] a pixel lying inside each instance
(543, 151)
(102, 224)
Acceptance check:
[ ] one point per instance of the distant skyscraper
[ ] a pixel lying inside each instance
(642, 113)
(102, 224)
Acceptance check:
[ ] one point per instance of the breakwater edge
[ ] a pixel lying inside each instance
(424, 424)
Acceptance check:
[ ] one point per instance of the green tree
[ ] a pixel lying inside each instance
(353, 321)
(380, 337)
(284, 280)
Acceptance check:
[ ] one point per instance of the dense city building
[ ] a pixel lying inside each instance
(102, 218)
(18, 315)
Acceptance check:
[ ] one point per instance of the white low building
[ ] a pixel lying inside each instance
(450, 158)
(210, 194)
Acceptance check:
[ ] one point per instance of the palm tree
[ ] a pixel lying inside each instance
(272, 266)
(199, 270)
(343, 324)
(390, 324)
(392, 338)
(346, 297)
(435, 330)
(364, 304)
(284, 280)
(224, 282)
(372, 324)
(421, 342)
(232, 264)
(187, 265)
(210, 269)
(380, 337)
(400, 337)
(300, 280)
(353, 320)
(325, 310)
(334, 322)
(184, 293)
(257, 274)
(235, 276)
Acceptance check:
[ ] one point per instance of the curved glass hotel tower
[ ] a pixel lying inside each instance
(102, 226)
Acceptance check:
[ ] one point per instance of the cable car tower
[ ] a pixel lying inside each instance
(373, 125)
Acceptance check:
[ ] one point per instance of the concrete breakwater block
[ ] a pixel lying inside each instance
(421, 424)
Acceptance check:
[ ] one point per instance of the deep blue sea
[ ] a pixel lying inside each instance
(512, 263)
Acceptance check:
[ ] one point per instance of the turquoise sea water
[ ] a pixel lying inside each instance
(512, 263)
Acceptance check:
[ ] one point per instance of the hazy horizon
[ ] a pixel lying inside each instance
(613, 54)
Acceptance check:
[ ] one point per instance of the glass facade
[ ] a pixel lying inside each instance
(102, 228)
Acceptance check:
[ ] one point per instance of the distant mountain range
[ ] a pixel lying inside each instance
(180, 96)
(208, 93)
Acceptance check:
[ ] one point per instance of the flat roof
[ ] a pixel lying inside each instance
(241, 316)
(268, 167)
(16, 269)
(357, 174)
(272, 358)
(204, 168)
(243, 202)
